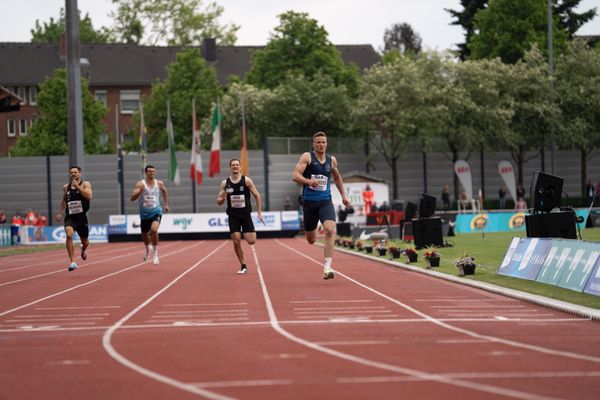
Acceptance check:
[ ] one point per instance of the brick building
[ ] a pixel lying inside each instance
(118, 74)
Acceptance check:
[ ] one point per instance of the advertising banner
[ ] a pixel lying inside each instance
(580, 265)
(555, 262)
(506, 171)
(525, 257)
(56, 234)
(463, 171)
(593, 284)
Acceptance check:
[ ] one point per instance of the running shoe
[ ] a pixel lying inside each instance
(147, 252)
(72, 266)
(242, 270)
(155, 260)
(83, 254)
(328, 273)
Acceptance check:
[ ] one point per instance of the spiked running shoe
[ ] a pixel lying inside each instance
(83, 254)
(242, 270)
(328, 273)
(155, 260)
(72, 266)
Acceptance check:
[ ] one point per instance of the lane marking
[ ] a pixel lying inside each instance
(336, 308)
(108, 347)
(87, 283)
(248, 383)
(331, 301)
(353, 342)
(467, 332)
(73, 308)
(205, 304)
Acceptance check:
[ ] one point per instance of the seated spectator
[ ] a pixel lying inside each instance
(384, 207)
(30, 218)
(41, 220)
(287, 203)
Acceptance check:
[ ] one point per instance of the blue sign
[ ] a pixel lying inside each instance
(525, 257)
(56, 234)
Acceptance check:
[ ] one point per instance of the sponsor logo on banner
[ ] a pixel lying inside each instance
(183, 222)
(516, 221)
(479, 222)
(53, 234)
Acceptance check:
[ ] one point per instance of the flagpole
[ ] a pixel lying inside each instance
(119, 162)
(193, 148)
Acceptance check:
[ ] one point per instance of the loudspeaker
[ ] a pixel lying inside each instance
(427, 205)
(546, 192)
(343, 229)
(556, 224)
(410, 211)
(428, 232)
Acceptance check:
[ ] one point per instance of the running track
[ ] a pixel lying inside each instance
(118, 328)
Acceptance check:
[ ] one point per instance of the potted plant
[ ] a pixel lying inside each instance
(382, 250)
(466, 265)
(368, 248)
(395, 251)
(432, 256)
(411, 254)
(359, 245)
(351, 244)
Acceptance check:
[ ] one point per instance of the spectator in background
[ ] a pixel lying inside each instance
(16, 223)
(520, 191)
(30, 218)
(2, 217)
(41, 220)
(384, 207)
(446, 197)
(502, 198)
(463, 201)
(590, 191)
(368, 199)
(520, 205)
(287, 203)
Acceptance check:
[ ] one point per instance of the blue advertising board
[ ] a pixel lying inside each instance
(56, 234)
(525, 257)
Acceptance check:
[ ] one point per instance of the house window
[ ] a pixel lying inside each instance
(101, 96)
(23, 127)
(23, 93)
(12, 128)
(32, 95)
(130, 101)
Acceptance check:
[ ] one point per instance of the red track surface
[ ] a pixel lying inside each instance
(117, 328)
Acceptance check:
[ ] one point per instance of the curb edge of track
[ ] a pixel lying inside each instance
(560, 305)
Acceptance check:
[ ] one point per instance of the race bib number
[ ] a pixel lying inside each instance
(150, 201)
(237, 201)
(75, 207)
(321, 180)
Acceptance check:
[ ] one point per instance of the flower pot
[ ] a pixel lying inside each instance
(433, 262)
(412, 258)
(351, 245)
(382, 252)
(469, 269)
(368, 249)
(395, 253)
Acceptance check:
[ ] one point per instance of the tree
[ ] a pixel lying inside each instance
(568, 19)
(189, 76)
(402, 38)
(392, 104)
(578, 94)
(465, 19)
(48, 134)
(51, 31)
(174, 22)
(507, 29)
(300, 46)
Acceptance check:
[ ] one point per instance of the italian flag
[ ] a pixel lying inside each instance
(173, 168)
(215, 149)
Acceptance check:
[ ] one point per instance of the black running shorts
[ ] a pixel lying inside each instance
(315, 211)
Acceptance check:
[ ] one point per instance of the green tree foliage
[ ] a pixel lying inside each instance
(393, 105)
(189, 76)
(51, 31)
(507, 29)
(402, 38)
(48, 134)
(564, 10)
(465, 19)
(578, 94)
(174, 22)
(300, 46)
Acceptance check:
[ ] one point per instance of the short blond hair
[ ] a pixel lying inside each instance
(319, 134)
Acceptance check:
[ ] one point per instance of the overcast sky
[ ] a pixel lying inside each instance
(346, 21)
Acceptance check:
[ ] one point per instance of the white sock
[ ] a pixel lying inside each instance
(328, 261)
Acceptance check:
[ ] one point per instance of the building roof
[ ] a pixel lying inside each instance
(28, 64)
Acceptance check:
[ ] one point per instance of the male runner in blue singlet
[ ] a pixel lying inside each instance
(77, 195)
(147, 192)
(314, 171)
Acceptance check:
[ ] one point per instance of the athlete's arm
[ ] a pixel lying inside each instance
(299, 169)
(257, 197)
(85, 189)
(137, 190)
(165, 195)
(221, 196)
(339, 182)
(63, 203)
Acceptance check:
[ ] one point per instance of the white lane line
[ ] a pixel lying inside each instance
(336, 308)
(205, 304)
(463, 300)
(486, 388)
(88, 283)
(73, 308)
(478, 375)
(330, 301)
(482, 306)
(353, 342)
(467, 332)
(108, 347)
(68, 362)
(58, 315)
(201, 311)
(327, 312)
(53, 319)
(178, 317)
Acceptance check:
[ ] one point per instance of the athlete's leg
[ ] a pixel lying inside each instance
(69, 242)
(154, 233)
(250, 237)
(329, 227)
(236, 238)
(84, 245)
